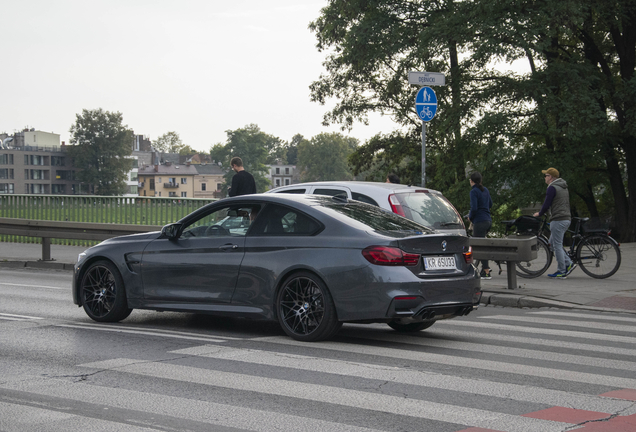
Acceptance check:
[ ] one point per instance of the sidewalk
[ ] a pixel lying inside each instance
(578, 291)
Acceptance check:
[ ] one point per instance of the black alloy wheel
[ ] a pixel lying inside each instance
(305, 308)
(103, 294)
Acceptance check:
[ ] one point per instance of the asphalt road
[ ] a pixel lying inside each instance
(499, 369)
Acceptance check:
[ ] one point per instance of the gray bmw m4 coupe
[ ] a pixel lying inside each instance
(309, 262)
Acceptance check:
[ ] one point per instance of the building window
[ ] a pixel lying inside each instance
(6, 188)
(159, 193)
(151, 185)
(57, 161)
(64, 175)
(219, 186)
(277, 170)
(286, 170)
(134, 176)
(203, 186)
(134, 190)
(6, 159)
(172, 194)
(277, 182)
(58, 188)
(184, 194)
(6, 173)
(158, 179)
(286, 182)
(184, 180)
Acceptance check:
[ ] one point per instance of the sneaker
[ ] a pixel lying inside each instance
(485, 275)
(570, 269)
(558, 275)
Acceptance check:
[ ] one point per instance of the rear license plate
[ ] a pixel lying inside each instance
(440, 263)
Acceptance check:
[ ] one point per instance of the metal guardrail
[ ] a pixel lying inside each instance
(47, 230)
(511, 250)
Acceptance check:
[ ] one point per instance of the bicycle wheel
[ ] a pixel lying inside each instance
(536, 267)
(598, 256)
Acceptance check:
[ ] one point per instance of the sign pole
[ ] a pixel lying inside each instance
(423, 154)
(426, 104)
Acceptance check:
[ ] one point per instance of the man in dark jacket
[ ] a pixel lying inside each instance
(557, 201)
(243, 182)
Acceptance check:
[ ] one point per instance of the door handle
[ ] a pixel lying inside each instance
(228, 246)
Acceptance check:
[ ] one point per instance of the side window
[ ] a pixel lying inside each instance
(330, 192)
(293, 191)
(365, 199)
(277, 220)
(228, 221)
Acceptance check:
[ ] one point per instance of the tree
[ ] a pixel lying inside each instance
(100, 144)
(254, 147)
(324, 157)
(170, 142)
(187, 150)
(575, 109)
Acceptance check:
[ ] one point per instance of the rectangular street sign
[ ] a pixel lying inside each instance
(427, 78)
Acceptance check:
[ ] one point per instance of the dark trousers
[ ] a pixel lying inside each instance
(480, 229)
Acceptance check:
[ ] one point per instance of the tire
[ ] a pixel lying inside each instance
(103, 294)
(536, 267)
(305, 308)
(599, 256)
(410, 327)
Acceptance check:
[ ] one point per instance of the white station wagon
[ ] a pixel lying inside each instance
(425, 206)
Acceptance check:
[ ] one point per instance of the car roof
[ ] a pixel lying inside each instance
(358, 186)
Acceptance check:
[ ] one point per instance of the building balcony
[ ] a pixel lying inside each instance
(171, 185)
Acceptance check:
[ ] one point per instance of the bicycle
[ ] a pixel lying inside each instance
(592, 248)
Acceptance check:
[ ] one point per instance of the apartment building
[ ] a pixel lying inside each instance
(167, 180)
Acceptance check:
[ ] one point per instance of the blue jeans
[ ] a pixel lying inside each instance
(557, 230)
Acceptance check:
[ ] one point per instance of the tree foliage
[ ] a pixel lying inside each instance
(254, 147)
(324, 157)
(100, 144)
(170, 142)
(575, 109)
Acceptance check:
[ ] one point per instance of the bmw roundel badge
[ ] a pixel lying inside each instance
(444, 245)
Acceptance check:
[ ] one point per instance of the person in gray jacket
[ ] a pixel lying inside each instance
(557, 201)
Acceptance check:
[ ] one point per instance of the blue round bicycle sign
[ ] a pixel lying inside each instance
(426, 103)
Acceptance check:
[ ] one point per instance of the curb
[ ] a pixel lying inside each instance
(48, 265)
(521, 301)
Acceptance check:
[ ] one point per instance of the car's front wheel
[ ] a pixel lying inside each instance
(305, 308)
(410, 327)
(103, 294)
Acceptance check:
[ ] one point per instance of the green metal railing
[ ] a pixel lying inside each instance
(93, 208)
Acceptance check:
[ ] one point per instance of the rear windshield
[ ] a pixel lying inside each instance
(429, 209)
(367, 217)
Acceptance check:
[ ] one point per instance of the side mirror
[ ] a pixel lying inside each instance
(171, 231)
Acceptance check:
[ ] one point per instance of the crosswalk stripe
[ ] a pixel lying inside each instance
(606, 317)
(183, 408)
(333, 395)
(472, 325)
(441, 331)
(13, 317)
(141, 332)
(516, 392)
(508, 351)
(467, 362)
(570, 323)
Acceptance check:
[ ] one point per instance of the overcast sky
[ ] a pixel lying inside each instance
(197, 67)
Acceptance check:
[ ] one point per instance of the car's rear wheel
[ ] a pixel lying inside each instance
(305, 308)
(103, 294)
(410, 327)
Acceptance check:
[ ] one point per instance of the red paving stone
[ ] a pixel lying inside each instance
(617, 302)
(567, 415)
(627, 394)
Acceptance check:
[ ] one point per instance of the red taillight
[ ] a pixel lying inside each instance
(396, 207)
(389, 256)
(468, 256)
(406, 298)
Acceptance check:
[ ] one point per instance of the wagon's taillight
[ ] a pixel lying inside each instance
(390, 256)
(396, 207)
(468, 256)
